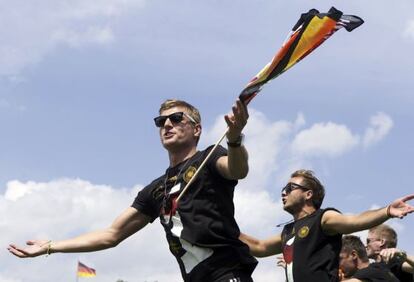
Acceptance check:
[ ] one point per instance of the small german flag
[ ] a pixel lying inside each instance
(84, 271)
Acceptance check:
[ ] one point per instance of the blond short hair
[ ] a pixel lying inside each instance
(388, 234)
(172, 103)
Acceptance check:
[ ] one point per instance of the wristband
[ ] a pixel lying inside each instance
(237, 143)
(49, 247)
(388, 212)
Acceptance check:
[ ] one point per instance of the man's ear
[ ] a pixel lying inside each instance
(354, 255)
(197, 130)
(309, 194)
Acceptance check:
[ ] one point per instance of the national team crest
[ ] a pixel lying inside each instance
(189, 173)
(303, 232)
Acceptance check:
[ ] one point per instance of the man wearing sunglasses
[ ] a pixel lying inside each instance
(382, 247)
(201, 230)
(312, 241)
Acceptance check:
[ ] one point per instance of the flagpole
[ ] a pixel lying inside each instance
(201, 166)
(77, 276)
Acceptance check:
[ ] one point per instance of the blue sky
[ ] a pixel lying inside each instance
(80, 83)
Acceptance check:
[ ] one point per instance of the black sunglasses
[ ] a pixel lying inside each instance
(293, 186)
(174, 118)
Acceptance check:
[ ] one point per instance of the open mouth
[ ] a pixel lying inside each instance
(168, 134)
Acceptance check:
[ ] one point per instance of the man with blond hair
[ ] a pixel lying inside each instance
(382, 247)
(312, 241)
(200, 228)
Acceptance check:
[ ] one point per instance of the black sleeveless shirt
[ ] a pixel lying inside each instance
(310, 254)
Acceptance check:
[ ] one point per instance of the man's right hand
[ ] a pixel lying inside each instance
(391, 254)
(34, 248)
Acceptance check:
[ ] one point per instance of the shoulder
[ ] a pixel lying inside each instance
(150, 191)
(329, 210)
(329, 213)
(330, 220)
(376, 271)
(218, 151)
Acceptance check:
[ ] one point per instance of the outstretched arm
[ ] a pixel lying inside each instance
(263, 248)
(235, 164)
(336, 223)
(128, 223)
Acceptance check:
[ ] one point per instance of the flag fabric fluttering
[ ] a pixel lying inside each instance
(85, 271)
(312, 29)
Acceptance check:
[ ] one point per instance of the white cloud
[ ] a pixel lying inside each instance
(268, 271)
(4, 279)
(332, 140)
(265, 141)
(324, 139)
(30, 30)
(272, 143)
(380, 126)
(64, 208)
(258, 212)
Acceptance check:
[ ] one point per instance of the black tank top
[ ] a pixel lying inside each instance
(310, 254)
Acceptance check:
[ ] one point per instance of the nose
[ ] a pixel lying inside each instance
(168, 123)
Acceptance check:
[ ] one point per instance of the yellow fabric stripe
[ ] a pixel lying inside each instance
(86, 274)
(316, 30)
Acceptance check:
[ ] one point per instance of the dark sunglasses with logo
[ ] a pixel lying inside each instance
(174, 118)
(293, 186)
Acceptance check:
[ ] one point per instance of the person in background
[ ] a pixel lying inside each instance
(312, 241)
(355, 265)
(382, 247)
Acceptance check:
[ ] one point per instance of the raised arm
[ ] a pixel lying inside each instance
(336, 223)
(263, 248)
(235, 164)
(128, 223)
(391, 254)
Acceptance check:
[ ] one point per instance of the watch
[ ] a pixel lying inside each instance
(237, 143)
